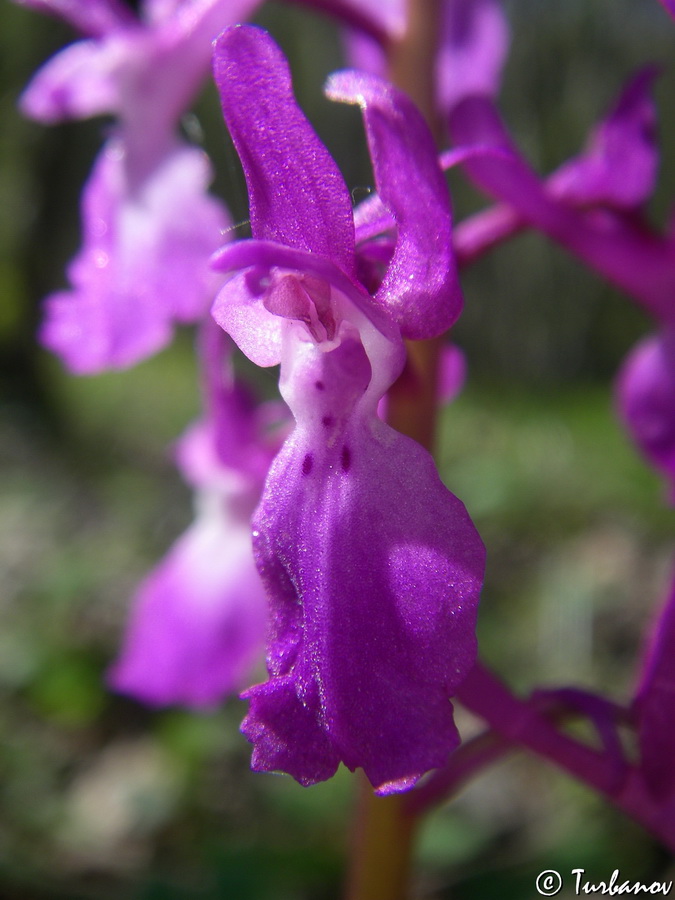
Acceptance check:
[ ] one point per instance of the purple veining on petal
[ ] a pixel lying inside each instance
(420, 286)
(346, 458)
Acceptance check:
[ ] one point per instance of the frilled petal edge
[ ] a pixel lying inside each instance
(374, 569)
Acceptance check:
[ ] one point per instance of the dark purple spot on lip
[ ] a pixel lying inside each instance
(319, 385)
(346, 458)
(327, 421)
(307, 464)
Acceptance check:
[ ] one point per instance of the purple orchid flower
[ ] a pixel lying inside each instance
(613, 178)
(149, 225)
(645, 392)
(654, 706)
(373, 568)
(199, 619)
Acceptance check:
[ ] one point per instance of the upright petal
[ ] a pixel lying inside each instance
(472, 50)
(620, 164)
(143, 265)
(420, 287)
(296, 192)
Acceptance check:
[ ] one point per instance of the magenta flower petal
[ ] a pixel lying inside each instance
(622, 249)
(78, 82)
(620, 164)
(199, 619)
(198, 623)
(655, 705)
(646, 401)
(90, 17)
(258, 332)
(452, 373)
(143, 265)
(383, 19)
(420, 287)
(669, 5)
(297, 194)
(472, 50)
(374, 588)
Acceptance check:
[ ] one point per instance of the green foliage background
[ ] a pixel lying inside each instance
(102, 798)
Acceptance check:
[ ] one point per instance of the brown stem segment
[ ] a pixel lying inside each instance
(412, 59)
(381, 848)
(384, 829)
(413, 403)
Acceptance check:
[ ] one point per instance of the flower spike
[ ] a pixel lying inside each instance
(372, 566)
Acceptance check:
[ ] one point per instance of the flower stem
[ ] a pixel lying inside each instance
(382, 841)
(519, 721)
(413, 405)
(381, 850)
